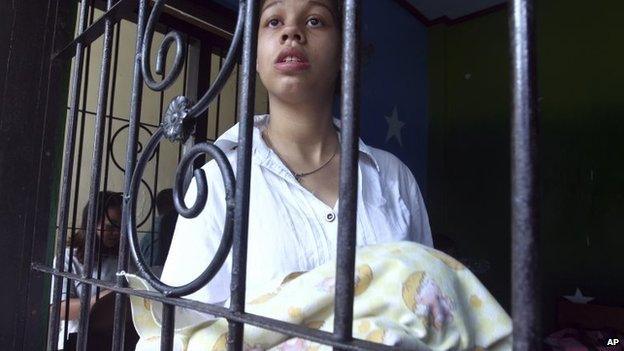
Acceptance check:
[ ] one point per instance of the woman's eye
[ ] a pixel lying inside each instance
(273, 22)
(315, 22)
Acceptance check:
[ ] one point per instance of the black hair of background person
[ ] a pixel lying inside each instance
(105, 201)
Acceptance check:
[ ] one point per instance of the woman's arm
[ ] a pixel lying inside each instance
(420, 231)
(74, 306)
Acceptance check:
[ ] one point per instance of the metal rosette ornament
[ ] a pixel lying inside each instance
(178, 124)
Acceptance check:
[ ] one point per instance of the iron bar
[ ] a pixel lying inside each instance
(91, 34)
(96, 165)
(524, 205)
(61, 238)
(161, 109)
(109, 136)
(243, 171)
(293, 330)
(166, 330)
(346, 246)
(121, 300)
(185, 147)
(184, 93)
(216, 134)
(85, 89)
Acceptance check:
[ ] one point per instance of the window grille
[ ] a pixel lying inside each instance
(180, 116)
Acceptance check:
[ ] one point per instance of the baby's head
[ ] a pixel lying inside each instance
(312, 31)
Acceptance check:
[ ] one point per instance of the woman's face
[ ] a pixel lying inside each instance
(109, 230)
(310, 30)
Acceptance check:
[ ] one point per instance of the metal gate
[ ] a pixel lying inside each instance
(177, 125)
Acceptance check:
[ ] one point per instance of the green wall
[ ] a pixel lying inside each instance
(580, 53)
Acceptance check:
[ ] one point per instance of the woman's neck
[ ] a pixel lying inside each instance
(304, 132)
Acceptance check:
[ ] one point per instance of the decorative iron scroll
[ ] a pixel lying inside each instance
(178, 124)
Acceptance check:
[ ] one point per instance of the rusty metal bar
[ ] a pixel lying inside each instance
(347, 212)
(166, 330)
(121, 300)
(96, 167)
(53, 323)
(241, 215)
(524, 205)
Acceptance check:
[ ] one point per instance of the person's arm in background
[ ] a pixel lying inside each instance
(74, 299)
(74, 306)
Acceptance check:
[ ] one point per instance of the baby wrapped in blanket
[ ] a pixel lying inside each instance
(406, 295)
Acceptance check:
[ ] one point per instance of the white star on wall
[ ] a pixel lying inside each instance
(394, 126)
(578, 297)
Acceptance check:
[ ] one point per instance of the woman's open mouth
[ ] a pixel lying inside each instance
(292, 65)
(291, 60)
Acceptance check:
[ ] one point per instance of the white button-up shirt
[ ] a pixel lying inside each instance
(289, 228)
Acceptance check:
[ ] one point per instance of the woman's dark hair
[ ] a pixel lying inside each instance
(105, 200)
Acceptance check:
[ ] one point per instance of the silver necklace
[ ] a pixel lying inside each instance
(298, 176)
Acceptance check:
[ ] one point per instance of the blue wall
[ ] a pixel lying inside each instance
(394, 74)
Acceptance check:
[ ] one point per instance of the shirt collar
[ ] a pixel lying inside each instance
(229, 140)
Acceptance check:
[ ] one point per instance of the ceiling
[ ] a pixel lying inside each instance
(434, 9)
(431, 9)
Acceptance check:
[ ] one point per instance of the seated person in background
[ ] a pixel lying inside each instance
(155, 245)
(106, 248)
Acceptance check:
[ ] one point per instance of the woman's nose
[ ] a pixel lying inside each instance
(292, 33)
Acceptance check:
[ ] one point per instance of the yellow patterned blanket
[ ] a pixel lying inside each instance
(406, 294)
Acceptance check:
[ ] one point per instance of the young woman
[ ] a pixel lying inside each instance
(407, 294)
(108, 219)
(295, 165)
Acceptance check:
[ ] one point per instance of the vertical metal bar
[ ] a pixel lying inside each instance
(53, 325)
(524, 216)
(236, 93)
(241, 215)
(166, 330)
(188, 144)
(109, 136)
(181, 146)
(121, 300)
(216, 134)
(345, 255)
(157, 165)
(96, 167)
(83, 117)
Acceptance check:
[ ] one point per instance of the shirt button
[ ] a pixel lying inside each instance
(330, 216)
